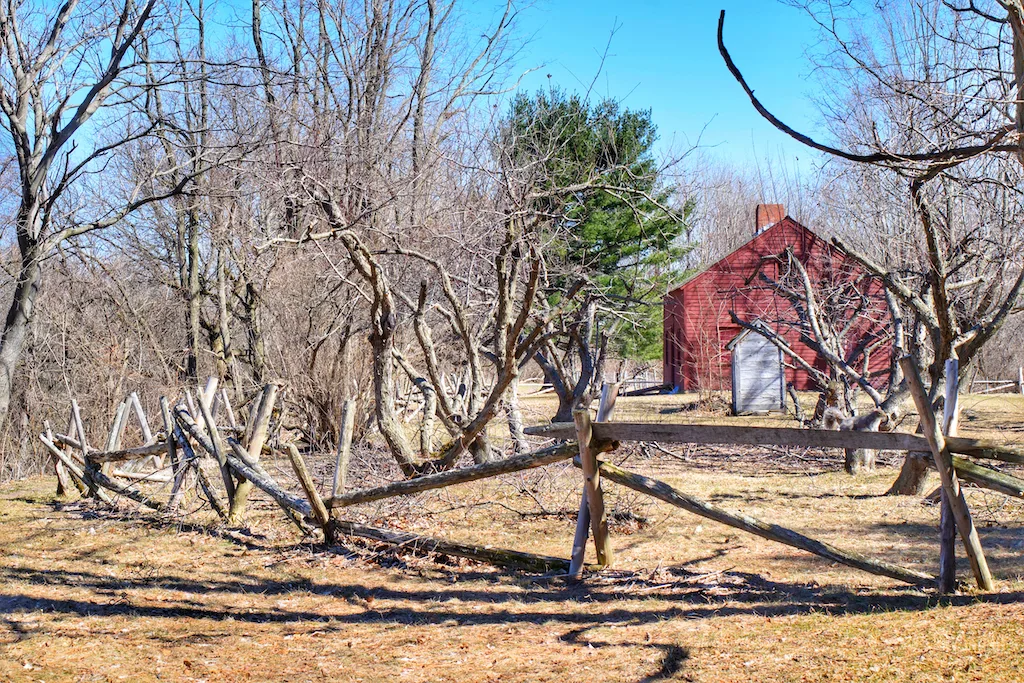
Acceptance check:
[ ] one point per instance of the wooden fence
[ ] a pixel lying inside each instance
(988, 386)
(207, 428)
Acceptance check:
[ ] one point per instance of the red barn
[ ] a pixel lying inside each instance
(699, 325)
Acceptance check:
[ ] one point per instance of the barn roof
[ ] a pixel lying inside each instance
(768, 234)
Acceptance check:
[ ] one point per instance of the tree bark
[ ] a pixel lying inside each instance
(18, 322)
(515, 418)
(911, 480)
(193, 293)
(480, 448)
(254, 334)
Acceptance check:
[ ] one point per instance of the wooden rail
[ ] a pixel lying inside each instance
(156, 448)
(773, 532)
(545, 456)
(779, 436)
(953, 494)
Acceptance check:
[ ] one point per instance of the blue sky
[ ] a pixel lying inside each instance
(664, 56)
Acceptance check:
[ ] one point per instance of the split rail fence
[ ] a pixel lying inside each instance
(205, 429)
(989, 386)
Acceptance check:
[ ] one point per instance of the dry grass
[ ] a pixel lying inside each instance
(92, 595)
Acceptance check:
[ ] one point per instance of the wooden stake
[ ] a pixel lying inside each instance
(261, 480)
(65, 479)
(147, 434)
(605, 408)
(208, 396)
(114, 436)
(254, 447)
(117, 427)
(348, 418)
(204, 481)
(316, 503)
(179, 466)
(592, 483)
(190, 402)
(224, 401)
(98, 477)
(950, 483)
(88, 468)
(215, 441)
(947, 527)
(772, 532)
(81, 474)
(191, 428)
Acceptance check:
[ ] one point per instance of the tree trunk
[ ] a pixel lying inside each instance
(480, 447)
(16, 326)
(914, 473)
(515, 418)
(194, 293)
(564, 413)
(382, 342)
(254, 334)
(911, 481)
(560, 387)
(227, 365)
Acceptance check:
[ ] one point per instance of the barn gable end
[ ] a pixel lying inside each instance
(697, 321)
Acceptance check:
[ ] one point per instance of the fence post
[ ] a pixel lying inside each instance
(256, 428)
(605, 408)
(947, 527)
(950, 483)
(179, 466)
(1020, 380)
(345, 429)
(592, 485)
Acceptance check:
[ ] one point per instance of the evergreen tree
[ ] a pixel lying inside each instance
(608, 213)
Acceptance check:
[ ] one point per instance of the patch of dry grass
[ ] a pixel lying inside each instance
(87, 594)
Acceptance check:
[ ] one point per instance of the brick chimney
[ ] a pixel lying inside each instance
(767, 215)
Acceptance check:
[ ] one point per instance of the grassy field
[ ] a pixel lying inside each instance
(90, 594)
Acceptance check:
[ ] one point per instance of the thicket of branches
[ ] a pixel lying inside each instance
(338, 198)
(925, 104)
(350, 199)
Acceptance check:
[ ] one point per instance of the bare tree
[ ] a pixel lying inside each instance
(933, 94)
(60, 70)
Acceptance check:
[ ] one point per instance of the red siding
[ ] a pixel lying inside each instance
(698, 325)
